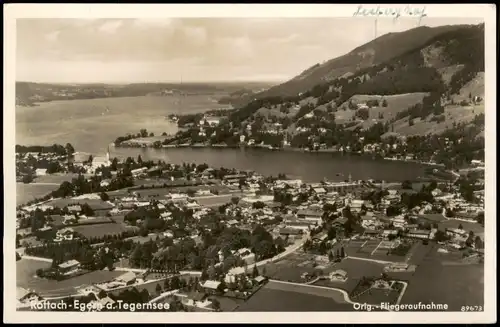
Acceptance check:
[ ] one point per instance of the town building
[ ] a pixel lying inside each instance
(69, 267)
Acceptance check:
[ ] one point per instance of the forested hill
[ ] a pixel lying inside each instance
(446, 63)
(381, 50)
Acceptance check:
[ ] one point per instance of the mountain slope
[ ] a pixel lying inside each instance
(380, 50)
(447, 66)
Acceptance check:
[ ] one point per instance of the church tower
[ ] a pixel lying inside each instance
(350, 178)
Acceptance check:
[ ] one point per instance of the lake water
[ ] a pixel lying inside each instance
(90, 125)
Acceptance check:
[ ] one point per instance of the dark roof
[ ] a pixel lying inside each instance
(372, 231)
(289, 231)
(340, 221)
(313, 213)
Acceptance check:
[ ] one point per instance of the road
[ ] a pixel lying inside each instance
(29, 257)
(42, 183)
(371, 260)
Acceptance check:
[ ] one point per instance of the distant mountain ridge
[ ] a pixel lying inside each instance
(382, 49)
(447, 63)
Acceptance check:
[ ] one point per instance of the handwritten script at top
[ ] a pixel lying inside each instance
(394, 12)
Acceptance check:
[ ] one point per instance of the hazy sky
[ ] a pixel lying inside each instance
(198, 49)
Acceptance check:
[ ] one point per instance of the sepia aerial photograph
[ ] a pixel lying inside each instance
(225, 164)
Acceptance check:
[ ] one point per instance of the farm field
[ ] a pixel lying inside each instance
(281, 297)
(55, 178)
(32, 191)
(453, 114)
(466, 281)
(293, 266)
(371, 249)
(100, 230)
(218, 200)
(356, 269)
(467, 226)
(395, 104)
(96, 204)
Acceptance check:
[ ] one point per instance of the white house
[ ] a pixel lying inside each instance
(69, 267)
(40, 172)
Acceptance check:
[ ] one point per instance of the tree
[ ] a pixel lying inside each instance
(440, 236)
(158, 289)
(235, 200)
(69, 149)
(330, 256)
(460, 227)
(87, 210)
(342, 252)
(216, 304)
(478, 243)
(406, 185)
(384, 103)
(204, 275)
(410, 122)
(255, 271)
(104, 196)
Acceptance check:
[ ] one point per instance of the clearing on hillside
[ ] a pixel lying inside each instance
(395, 104)
(452, 114)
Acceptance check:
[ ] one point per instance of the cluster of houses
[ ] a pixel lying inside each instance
(34, 163)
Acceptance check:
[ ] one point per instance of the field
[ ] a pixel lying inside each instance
(377, 296)
(371, 249)
(453, 285)
(452, 114)
(285, 297)
(93, 203)
(467, 226)
(55, 178)
(213, 201)
(432, 218)
(29, 192)
(356, 269)
(293, 266)
(26, 270)
(100, 230)
(395, 104)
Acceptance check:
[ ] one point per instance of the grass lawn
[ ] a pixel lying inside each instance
(274, 297)
(465, 281)
(215, 200)
(228, 304)
(29, 192)
(432, 217)
(395, 104)
(467, 226)
(95, 204)
(56, 178)
(377, 296)
(100, 230)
